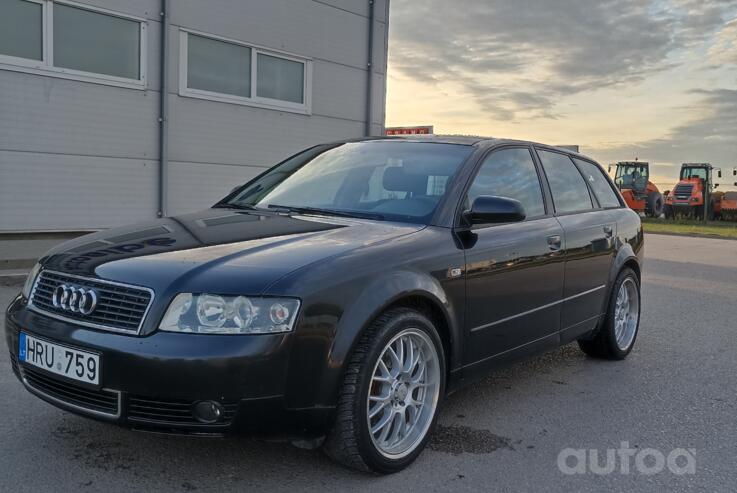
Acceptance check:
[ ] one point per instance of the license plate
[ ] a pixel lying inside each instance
(63, 360)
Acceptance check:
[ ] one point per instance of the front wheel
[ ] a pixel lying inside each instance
(392, 388)
(616, 336)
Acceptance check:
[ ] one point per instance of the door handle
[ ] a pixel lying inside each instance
(554, 242)
(608, 231)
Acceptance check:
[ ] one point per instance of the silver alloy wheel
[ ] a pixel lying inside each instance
(404, 392)
(626, 314)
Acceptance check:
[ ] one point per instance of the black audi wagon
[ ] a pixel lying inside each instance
(338, 297)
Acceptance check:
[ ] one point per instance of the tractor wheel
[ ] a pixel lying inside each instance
(713, 214)
(655, 204)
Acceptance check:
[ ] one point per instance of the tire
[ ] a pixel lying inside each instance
(655, 204)
(605, 344)
(350, 442)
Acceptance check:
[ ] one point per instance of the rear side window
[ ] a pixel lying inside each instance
(598, 183)
(570, 193)
(510, 173)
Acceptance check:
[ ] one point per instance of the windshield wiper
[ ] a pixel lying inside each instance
(326, 212)
(247, 207)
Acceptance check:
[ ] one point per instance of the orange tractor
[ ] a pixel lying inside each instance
(728, 202)
(694, 195)
(641, 195)
(728, 206)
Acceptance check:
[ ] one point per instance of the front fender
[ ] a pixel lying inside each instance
(382, 291)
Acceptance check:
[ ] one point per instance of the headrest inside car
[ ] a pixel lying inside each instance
(396, 179)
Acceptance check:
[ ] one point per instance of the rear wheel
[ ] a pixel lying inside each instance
(391, 391)
(655, 204)
(616, 336)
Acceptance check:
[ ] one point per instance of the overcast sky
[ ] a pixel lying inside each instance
(622, 78)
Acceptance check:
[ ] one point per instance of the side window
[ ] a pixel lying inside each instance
(510, 173)
(598, 183)
(570, 193)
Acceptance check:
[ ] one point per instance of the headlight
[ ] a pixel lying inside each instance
(215, 314)
(26, 291)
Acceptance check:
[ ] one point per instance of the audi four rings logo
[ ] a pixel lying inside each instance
(74, 299)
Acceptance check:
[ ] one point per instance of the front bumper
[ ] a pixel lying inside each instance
(152, 382)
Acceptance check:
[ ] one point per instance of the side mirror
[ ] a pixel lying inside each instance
(487, 209)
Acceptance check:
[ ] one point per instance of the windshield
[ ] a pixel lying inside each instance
(392, 180)
(693, 173)
(630, 175)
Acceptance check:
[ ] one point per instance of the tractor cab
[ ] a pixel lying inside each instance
(693, 194)
(633, 175)
(641, 195)
(696, 172)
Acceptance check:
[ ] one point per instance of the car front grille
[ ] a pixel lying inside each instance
(172, 412)
(97, 401)
(120, 307)
(683, 191)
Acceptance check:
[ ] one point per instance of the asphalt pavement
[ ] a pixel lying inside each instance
(672, 405)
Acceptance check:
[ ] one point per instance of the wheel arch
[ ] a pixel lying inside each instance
(395, 289)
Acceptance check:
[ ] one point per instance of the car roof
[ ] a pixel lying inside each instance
(470, 140)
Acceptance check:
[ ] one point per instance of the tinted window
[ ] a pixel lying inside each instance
(598, 183)
(570, 192)
(510, 173)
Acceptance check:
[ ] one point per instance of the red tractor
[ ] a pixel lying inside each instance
(641, 195)
(693, 196)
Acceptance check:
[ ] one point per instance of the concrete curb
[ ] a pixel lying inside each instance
(707, 236)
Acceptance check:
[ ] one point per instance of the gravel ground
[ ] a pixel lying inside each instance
(506, 432)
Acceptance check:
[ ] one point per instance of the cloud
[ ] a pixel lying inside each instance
(724, 49)
(709, 137)
(518, 59)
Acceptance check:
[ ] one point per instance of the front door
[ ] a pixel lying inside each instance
(514, 272)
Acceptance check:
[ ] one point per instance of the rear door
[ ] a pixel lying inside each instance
(514, 272)
(589, 228)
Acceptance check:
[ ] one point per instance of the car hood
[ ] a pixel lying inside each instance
(222, 250)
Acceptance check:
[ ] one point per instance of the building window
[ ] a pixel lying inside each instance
(280, 79)
(21, 29)
(226, 70)
(97, 43)
(73, 41)
(218, 66)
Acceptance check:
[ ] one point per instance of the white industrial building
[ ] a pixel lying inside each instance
(87, 142)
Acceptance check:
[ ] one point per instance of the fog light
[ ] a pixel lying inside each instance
(207, 412)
